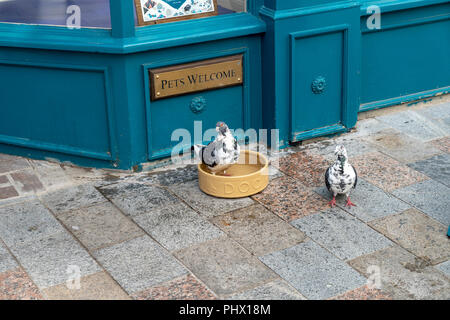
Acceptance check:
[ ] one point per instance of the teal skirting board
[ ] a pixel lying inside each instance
(82, 96)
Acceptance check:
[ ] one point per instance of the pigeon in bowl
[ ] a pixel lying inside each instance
(221, 153)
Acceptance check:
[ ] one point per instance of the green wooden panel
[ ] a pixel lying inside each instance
(58, 108)
(317, 61)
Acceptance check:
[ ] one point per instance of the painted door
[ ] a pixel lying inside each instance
(317, 82)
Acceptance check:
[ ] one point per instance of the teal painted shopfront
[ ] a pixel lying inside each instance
(83, 95)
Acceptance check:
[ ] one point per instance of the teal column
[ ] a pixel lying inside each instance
(310, 45)
(253, 6)
(122, 18)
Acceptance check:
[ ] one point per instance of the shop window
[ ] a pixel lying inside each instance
(162, 11)
(70, 13)
(231, 6)
(96, 13)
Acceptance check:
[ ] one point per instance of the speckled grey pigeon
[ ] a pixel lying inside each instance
(341, 177)
(221, 153)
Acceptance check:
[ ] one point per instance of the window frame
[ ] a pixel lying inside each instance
(126, 37)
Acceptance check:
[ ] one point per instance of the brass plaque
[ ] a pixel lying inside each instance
(198, 76)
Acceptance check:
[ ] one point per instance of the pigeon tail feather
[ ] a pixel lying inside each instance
(198, 150)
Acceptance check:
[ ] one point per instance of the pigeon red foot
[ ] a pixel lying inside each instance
(332, 203)
(349, 203)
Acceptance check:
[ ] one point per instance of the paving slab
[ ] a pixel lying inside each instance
(444, 267)
(274, 290)
(100, 226)
(364, 293)
(442, 144)
(445, 123)
(401, 146)
(26, 222)
(16, 285)
(274, 172)
(224, 266)
(290, 199)
(97, 286)
(371, 201)
(11, 163)
(207, 205)
(109, 178)
(8, 192)
(439, 111)
(313, 271)
(72, 198)
(177, 226)
(96, 178)
(135, 198)
(354, 146)
(402, 270)
(414, 125)
(258, 230)
(184, 288)
(171, 176)
(26, 181)
(385, 172)
(17, 200)
(50, 261)
(418, 233)
(368, 127)
(341, 233)
(50, 174)
(430, 197)
(139, 263)
(437, 168)
(305, 166)
(4, 180)
(7, 262)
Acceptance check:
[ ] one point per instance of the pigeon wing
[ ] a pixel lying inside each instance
(228, 150)
(209, 155)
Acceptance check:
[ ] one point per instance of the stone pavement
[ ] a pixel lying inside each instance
(155, 235)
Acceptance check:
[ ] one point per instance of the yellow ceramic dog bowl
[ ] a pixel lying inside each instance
(245, 178)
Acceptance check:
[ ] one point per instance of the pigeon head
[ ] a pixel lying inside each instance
(341, 153)
(221, 128)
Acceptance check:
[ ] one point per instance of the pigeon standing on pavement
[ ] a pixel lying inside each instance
(341, 177)
(221, 153)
